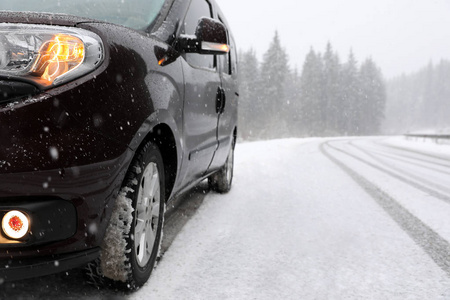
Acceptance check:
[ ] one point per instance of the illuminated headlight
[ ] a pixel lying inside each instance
(47, 55)
(15, 224)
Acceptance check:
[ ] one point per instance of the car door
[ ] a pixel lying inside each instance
(228, 112)
(202, 83)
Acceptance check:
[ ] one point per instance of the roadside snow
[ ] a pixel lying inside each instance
(444, 130)
(294, 226)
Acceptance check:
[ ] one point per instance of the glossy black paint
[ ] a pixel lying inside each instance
(144, 90)
(15, 90)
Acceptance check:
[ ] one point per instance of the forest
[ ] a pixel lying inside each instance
(419, 101)
(331, 97)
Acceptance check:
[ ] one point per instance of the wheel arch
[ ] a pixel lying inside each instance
(162, 136)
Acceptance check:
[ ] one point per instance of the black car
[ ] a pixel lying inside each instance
(108, 109)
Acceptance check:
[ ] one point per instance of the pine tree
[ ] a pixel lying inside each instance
(311, 93)
(274, 73)
(331, 90)
(429, 97)
(249, 95)
(350, 98)
(373, 98)
(442, 87)
(293, 107)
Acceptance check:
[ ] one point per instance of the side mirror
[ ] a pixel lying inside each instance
(211, 37)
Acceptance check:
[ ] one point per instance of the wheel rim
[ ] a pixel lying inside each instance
(147, 214)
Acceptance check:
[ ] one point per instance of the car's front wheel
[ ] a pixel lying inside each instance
(133, 238)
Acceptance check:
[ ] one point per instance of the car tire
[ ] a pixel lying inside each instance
(133, 238)
(221, 181)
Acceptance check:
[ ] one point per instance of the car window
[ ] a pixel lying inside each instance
(136, 14)
(197, 10)
(226, 63)
(233, 58)
(225, 59)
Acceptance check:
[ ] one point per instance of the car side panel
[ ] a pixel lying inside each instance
(228, 118)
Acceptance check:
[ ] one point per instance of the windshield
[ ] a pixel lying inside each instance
(136, 14)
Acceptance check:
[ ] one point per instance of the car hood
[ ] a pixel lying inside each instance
(42, 18)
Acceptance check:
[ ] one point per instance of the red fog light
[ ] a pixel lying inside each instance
(15, 224)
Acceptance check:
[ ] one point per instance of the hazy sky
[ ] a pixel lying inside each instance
(400, 35)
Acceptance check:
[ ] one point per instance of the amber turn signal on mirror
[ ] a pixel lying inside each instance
(209, 46)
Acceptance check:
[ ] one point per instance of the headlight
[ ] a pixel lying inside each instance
(47, 55)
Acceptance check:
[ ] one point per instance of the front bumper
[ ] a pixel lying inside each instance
(71, 208)
(18, 269)
(63, 172)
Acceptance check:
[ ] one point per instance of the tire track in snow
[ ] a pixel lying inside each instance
(416, 185)
(443, 158)
(408, 173)
(437, 248)
(405, 158)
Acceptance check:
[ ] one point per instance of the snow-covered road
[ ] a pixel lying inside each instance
(362, 218)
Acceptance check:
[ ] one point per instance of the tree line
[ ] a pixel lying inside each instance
(419, 101)
(328, 97)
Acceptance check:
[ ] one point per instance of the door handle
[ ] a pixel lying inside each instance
(220, 100)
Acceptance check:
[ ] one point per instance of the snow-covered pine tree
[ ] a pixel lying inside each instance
(442, 88)
(293, 107)
(274, 72)
(311, 87)
(373, 98)
(250, 107)
(350, 98)
(331, 90)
